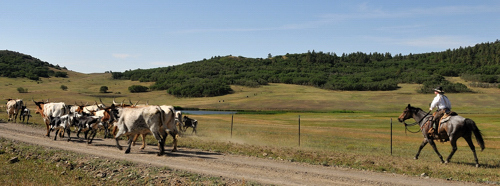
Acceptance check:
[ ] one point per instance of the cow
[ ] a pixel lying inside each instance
(91, 108)
(62, 123)
(150, 119)
(121, 105)
(74, 108)
(108, 116)
(25, 112)
(50, 109)
(13, 107)
(188, 122)
(87, 123)
(170, 127)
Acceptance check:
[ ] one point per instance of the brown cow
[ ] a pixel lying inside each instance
(47, 110)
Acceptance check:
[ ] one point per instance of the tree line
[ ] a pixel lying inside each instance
(355, 71)
(15, 64)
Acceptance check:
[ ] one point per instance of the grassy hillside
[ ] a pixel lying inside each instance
(85, 88)
(359, 139)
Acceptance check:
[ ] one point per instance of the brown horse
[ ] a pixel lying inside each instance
(456, 127)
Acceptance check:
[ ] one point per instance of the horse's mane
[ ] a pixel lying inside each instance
(417, 109)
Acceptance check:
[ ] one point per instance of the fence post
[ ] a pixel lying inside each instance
(299, 130)
(391, 136)
(232, 117)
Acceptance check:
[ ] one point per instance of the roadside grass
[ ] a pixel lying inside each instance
(36, 165)
(338, 128)
(355, 140)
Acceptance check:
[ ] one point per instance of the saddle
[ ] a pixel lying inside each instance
(446, 117)
(441, 134)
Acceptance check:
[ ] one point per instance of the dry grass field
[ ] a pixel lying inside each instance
(338, 128)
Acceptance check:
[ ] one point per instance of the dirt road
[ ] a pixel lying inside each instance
(259, 170)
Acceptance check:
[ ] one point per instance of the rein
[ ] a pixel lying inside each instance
(413, 124)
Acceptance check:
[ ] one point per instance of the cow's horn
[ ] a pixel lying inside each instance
(102, 102)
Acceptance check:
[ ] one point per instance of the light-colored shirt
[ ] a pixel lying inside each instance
(441, 102)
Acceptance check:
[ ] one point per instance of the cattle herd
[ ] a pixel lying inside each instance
(119, 119)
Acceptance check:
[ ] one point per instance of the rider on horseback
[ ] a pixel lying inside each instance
(443, 106)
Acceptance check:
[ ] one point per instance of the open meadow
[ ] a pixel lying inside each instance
(337, 128)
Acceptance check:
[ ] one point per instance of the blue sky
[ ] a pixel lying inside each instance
(97, 36)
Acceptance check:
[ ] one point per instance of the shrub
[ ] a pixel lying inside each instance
(137, 88)
(64, 87)
(61, 74)
(103, 89)
(22, 90)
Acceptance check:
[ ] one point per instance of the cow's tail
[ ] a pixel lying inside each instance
(171, 119)
(477, 132)
(162, 117)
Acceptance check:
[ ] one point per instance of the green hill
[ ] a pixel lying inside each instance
(356, 71)
(15, 64)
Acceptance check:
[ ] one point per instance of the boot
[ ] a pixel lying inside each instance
(433, 131)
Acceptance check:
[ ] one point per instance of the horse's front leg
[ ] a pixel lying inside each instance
(420, 148)
(431, 142)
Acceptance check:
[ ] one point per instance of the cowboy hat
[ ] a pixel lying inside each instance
(439, 89)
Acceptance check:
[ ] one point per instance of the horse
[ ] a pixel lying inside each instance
(456, 127)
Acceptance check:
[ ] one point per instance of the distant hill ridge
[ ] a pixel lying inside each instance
(15, 64)
(356, 71)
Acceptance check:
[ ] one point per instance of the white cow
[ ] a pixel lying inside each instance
(170, 127)
(47, 110)
(13, 108)
(73, 108)
(91, 108)
(144, 120)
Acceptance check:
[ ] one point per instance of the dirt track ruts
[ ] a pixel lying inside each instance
(260, 170)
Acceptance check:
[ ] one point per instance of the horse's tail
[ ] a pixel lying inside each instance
(477, 132)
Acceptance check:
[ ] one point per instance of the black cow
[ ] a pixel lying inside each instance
(25, 112)
(188, 122)
(87, 124)
(62, 123)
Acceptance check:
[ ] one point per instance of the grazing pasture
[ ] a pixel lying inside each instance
(338, 128)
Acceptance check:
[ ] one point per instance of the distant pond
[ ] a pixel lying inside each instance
(206, 112)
